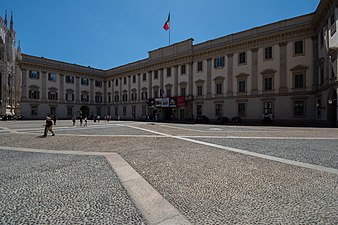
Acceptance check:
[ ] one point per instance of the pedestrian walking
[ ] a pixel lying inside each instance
(85, 122)
(48, 127)
(74, 120)
(80, 120)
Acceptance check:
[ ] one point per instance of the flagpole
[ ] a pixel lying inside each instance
(169, 36)
(169, 27)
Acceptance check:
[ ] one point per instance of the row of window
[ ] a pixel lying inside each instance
(218, 63)
(298, 109)
(268, 85)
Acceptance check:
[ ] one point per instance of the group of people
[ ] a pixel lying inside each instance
(81, 120)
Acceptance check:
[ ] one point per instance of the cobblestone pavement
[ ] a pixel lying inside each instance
(40, 188)
(210, 185)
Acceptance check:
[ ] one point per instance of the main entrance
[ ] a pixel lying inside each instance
(84, 111)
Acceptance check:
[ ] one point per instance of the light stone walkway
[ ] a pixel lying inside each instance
(203, 174)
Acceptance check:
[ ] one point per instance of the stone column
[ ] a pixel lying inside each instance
(161, 78)
(77, 89)
(24, 85)
(139, 87)
(150, 85)
(254, 71)
(43, 86)
(230, 74)
(209, 95)
(62, 88)
(129, 87)
(190, 79)
(315, 62)
(105, 92)
(91, 91)
(283, 67)
(175, 81)
(120, 92)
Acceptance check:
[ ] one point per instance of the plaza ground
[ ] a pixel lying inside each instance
(199, 174)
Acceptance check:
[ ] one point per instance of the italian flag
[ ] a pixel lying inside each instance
(166, 25)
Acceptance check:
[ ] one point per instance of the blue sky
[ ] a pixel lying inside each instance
(110, 33)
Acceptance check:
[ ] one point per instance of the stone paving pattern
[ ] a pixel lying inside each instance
(40, 188)
(317, 152)
(213, 186)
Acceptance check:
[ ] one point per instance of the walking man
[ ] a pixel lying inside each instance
(48, 127)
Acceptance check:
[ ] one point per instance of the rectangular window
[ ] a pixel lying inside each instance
(134, 79)
(144, 77)
(299, 47)
(183, 90)
(299, 81)
(98, 111)
(124, 111)
(156, 74)
(268, 53)
(199, 110)
(34, 94)
(144, 110)
(241, 86)
(52, 110)
(169, 72)
(69, 79)
(98, 98)
(109, 84)
(299, 108)
(52, 96)
(219, 89)
(84, 81)
(34, 74)
(219, 62)
(69, 111)
(125, 81)
(84, 98)
(116, 109)
(34, 110)
(52, 76)
(116, 82)
(69, 96)
(168, 93)
(155, 93)
(268, 84)
(241, 109)
(183, 69)
(267, 107)
(200, 66)
(242, 58)
(98, 83)
(218, 110)
(199, 90)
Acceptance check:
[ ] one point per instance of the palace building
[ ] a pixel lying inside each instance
(285, 71)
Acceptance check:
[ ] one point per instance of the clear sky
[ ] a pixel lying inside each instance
(110, 33)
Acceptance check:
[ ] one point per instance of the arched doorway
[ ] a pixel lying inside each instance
(84, 111)
(332, 108)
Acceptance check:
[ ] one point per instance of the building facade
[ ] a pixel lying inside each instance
(286, 71)
(10, 74)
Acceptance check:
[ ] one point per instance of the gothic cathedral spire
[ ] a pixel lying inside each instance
(6, 18)
(11, 23)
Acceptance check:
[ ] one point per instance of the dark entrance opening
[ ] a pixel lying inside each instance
(84, 111)
(332, 109)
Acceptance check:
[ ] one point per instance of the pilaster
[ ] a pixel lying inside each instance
(208, 94)
(230, 74)
(254, 71)
(283, 67)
